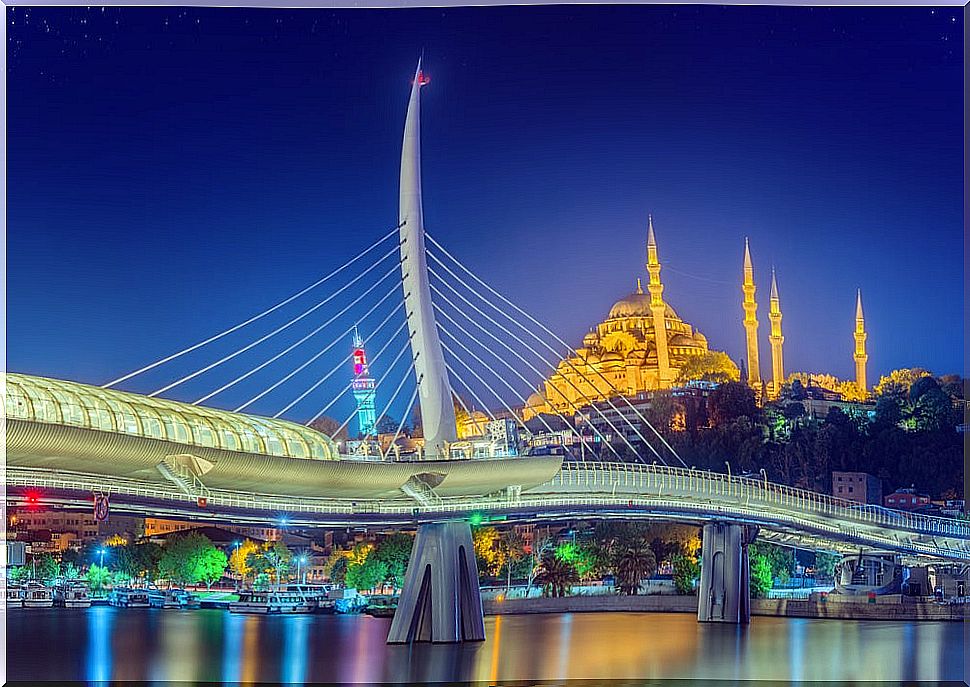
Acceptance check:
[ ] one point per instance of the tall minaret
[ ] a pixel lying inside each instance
(776, 339)
(860, 356)
(657, 306)
(750, 319)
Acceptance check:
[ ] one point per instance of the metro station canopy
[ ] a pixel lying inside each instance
(38, 399)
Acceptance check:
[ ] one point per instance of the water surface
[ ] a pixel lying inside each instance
(104, 643)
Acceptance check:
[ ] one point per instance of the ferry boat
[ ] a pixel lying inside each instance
(15, 596)
(124, 597)
(38, 596)
(72, 595)
(273, 601)
(173, 598)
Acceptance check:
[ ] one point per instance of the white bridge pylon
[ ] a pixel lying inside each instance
(434, 387)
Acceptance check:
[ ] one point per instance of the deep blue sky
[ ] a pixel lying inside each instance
(172, 171)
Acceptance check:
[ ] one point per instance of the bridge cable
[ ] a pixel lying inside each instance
(390, 402)
(260, 315)
(329, 346)
(283, 326)
(519, 375)
(289, 348)
(539, 339)
(575, 408)
(590, 402)
(471, 392)
(333, 371)
(483, 383)
(407, 413)
(478, 425)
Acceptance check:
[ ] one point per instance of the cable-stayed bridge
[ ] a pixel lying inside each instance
(442, 336)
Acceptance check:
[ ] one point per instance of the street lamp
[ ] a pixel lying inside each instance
(299, 566)
(729, 468)
(101, 553)
(765, 475)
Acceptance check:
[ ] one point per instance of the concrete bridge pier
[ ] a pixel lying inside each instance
(440, 601)
(724, 593)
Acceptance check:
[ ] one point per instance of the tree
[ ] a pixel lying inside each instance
(512, 551)
(731, 400)
(687, 569)
(46, 568)
(187, 558)
(238, 560)
(583, 556)
(760, 576)
(367, 575)
(556, 576)
(825, 565)
(713, 366)
(98, 578)
(71, 572)
(633, 562)
(394, 551)
(329, 426)
(898, 382)
(781, 560)
(211, 565)
(18, 574)
(487, 555)
(338, 571)
(278, 555)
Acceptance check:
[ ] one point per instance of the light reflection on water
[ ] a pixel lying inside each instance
(104, 643)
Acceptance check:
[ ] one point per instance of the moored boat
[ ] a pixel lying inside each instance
(72, 594)
(173, 598)
(15, 596)
(38, 596)
(124, 597)
(270, 601)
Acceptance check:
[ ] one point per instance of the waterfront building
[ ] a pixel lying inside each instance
(906, 499)
(640, 346)
(155, 527)
(860, 487)
(81, 526)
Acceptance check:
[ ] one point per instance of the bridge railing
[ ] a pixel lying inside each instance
(701, 483)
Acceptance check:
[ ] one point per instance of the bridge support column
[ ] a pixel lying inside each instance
(724, 594)
(440, 601)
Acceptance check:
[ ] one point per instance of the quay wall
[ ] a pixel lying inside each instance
(834, 606)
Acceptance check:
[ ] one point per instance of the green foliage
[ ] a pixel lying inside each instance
(190, 559)
(556, 576)
(825, 565)
(760, 575)
(730, 401)
(582, 556)
(633, 561)
(46, 568)
(781, 560)
(713, 366)
(394, 552)
(687, 570)
(367, 575)
(338, 571)
(98, 578)
(18, 574)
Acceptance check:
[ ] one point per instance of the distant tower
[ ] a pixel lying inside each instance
(860, 346)
(751, 319)
(776, 339)
(363, 386)
(657, 306)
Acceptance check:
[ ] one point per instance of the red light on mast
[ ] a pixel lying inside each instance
(423, 79)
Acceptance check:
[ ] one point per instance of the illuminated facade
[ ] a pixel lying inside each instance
(860, 355)
(776, 339)
(750, 320)
(363, 387)
(640, 346)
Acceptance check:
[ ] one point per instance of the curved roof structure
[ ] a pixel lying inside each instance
(38, 399)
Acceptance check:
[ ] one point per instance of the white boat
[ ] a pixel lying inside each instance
(38, 596)
(72, 595)
(15, 596)
(124, 597)
(273, 601)
(172, 598)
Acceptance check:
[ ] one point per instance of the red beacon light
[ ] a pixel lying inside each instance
(423, 79)
(32, 498)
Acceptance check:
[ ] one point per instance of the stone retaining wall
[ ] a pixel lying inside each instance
(834, 606)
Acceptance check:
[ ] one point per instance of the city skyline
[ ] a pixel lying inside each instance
(557, 223)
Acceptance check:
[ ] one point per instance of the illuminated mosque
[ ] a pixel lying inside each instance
(643, 345)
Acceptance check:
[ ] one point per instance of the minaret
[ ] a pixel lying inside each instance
(860, 346)
(434, 387)
(364, 389)
(657, 307)
(776, 339)
(751, 319)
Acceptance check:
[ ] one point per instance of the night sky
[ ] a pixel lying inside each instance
(174, 171)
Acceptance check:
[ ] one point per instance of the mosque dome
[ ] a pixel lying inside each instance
(636, 305)
(535, 400)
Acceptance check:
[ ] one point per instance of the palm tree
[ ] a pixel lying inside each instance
(634, 561)
(556, 576)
